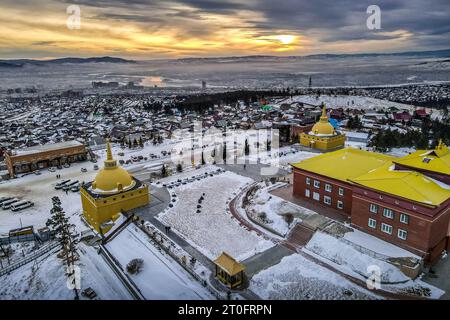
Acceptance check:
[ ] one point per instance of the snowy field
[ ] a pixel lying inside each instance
(349, 260)
(212, 230)
(296, 278)
(270, 210)
(45, 279)
(160, 277)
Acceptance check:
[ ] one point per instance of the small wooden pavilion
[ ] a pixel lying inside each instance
(229, 271)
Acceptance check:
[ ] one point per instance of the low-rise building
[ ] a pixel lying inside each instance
(405, 201)
(40, 157)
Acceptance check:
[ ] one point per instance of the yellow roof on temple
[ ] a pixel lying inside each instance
(111, 176)
(323, 127)
(437, 160)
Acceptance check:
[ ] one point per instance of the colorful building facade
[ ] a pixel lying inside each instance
(113, 192)
(323, 136)
(400, 200)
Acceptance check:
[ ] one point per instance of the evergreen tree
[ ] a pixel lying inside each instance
(141, 143)
(164, 171)
(179, 167)
(62, 230)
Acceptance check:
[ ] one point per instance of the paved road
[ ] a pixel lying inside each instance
(256, 172)
(441, 277)
(265, 259)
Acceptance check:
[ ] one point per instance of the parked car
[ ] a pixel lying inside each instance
(95, 167)
(121, 154)
(83, 170)
(52, 169)
(66, 165)
(37, 172)
(75, 188)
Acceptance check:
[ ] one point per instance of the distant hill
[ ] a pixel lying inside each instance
(425, 54)
(21, 62)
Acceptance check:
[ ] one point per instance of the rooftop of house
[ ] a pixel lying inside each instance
(436, 160)
(344, 164)
(411, 185)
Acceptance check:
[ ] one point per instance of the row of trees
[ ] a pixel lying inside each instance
(428, 137)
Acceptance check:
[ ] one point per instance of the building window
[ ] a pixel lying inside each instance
(327, 200)
(402, 234)
(308, 181)
(340, 204)
(316, 184)
(373, 208)
(316, 196)
(328, 187)
(307, 193)
(341, 191)
(386, 228)
(372, 223)
(388, 213)
(404, 218)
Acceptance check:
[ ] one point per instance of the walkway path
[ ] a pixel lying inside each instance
(294, 246)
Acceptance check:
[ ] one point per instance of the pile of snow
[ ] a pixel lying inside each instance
(212, 230)
(270, 210)
(377, 245)
(349, 258)
(160, 277)
(296, 278)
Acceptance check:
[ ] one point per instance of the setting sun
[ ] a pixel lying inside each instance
(286, 39)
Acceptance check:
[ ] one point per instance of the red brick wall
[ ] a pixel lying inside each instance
(300, 186)
(425, 234)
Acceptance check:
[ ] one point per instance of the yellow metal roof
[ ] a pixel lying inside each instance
(344, 164)
(410, 185)
(437, 160)
(227, 263)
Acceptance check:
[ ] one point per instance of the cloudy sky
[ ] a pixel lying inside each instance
(150, 29)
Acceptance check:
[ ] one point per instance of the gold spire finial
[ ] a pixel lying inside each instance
(108, 150)
(109, 162)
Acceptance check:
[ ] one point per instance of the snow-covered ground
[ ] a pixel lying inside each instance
(357, 102)
(161, 277)
(346, 258)
(351, 259)
(296, 278)
(212, 230)
(270, 210)
(44, 279)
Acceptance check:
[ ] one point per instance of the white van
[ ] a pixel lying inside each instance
(61, 184)
(21, 205)
(7, 204)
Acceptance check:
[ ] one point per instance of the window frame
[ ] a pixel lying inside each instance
(388, 210)
(325, 199)
(307, 193)
(328, 187)
(387, 225)
(341, 191)
(399, 231)
(374, 224)
(402, 220)
(316, 184)
(373, 205)
(341, 203)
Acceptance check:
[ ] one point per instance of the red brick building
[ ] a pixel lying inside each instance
(406, 207)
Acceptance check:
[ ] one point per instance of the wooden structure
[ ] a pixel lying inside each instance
(229, 271)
